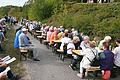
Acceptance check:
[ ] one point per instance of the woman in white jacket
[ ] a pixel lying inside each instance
(89, 55)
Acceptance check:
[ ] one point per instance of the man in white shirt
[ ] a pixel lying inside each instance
(64, 41)
(70, 47)
(116, 51)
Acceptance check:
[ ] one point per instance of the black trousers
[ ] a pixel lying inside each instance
(9, 73)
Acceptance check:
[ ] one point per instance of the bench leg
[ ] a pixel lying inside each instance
(24, 55)
(59, 54)
(47, 46)
(62, 57)
(41, 41)
(20, 56)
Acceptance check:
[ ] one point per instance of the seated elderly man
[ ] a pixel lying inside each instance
(89, 55)
(85, 43)
(64, 41)
(71, 46)
(24, 42)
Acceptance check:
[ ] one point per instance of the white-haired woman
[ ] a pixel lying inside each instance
(106, 39)
(85, 43)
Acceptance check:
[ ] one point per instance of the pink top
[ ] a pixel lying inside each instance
(49, 33)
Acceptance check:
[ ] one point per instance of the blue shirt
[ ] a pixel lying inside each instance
(16, 41)
(23, 40)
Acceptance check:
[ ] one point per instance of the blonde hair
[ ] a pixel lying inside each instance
(92, 44)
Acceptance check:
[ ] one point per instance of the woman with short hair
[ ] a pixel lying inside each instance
(89, 55)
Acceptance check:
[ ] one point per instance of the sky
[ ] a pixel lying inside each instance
(12, 2)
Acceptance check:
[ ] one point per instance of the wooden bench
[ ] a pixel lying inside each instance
(24, 53)
(46, 41)
(61, 54)
(93, 70)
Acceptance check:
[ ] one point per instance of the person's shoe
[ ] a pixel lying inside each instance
(80, 75)
(36, 59)
(71, 67)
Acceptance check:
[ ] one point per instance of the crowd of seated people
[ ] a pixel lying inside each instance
(3, 29)
(75, 40)
(5, 71)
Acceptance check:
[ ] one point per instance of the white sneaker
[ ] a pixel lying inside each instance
(80, 75)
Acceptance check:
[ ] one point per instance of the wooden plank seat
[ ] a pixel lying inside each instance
(40, 38)
(24, 53)
(62, 54)
(35, 35)
(93, 70)
(46, 41)
(59, 50)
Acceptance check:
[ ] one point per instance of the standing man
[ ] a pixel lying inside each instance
(116, 52)
(24, 42)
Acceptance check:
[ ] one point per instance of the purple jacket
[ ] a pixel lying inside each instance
(106, 59)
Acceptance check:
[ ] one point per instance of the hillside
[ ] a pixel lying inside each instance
(11, 11)
(92, 19)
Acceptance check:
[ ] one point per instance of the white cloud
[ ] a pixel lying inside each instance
(12, 2)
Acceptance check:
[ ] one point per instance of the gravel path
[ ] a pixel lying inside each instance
(50, 67)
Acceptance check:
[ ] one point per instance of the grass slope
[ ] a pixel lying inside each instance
(92, 19)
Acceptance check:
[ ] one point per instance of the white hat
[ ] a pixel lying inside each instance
(24, 29)
(61, 26)
(66, 30)
(73, 29)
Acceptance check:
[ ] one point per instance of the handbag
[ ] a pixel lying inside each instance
(95, 62)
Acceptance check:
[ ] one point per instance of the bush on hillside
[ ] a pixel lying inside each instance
(92, 19)
(43, 9)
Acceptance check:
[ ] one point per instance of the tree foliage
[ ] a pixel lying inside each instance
(43, 9)
(92, 19)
